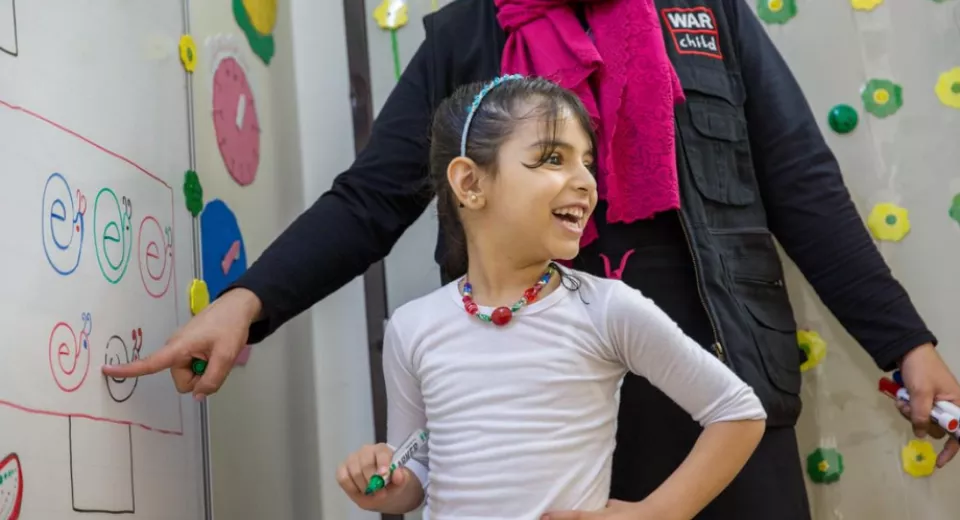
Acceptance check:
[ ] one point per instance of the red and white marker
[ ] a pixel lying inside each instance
(946, 417)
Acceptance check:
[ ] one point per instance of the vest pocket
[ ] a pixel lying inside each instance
(766, 301)
(756, 279)
(716, 149)
(714, 131)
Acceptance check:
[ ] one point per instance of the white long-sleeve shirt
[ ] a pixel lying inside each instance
(522, 418)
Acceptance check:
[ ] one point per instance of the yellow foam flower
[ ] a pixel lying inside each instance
(199, 296)
(262, 13)
(188, 52)
(888, 221)
(815, 347)
(919, 458)
(391, 14)
(865, 5)
(948, 88)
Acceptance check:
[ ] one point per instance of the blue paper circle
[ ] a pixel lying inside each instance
(218, 231)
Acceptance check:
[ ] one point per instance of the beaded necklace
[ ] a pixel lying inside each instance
(502, 315)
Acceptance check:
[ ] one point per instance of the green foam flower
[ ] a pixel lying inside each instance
(882, 97)
(776, 11)
(824, 465)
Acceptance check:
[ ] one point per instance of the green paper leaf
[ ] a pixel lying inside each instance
(193, 192)
(396, 53)
(955, 208)
(261, 44)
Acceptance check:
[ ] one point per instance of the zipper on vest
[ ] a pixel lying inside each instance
(759, 281)
(717, 346)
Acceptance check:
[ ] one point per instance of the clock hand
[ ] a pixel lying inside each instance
(241, 108)
(230, 257)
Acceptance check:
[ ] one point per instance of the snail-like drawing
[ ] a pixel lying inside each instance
(155, 255)
(112, 233)
(70, 354)
(121, 388)
(62, 227)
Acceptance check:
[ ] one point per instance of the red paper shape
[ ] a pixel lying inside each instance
(235, 121)
(243, 357)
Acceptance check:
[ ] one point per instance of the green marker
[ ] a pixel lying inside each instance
(401, 456)
(198, 366)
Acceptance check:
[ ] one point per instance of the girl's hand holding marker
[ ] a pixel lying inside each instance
(376, 479)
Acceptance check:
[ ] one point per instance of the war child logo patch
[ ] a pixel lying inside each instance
(694, 30)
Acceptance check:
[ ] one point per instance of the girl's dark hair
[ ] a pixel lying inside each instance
(500, 110)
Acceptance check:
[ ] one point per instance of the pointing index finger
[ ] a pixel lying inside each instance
(160, 360)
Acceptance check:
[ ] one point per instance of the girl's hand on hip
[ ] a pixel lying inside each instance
(615, 510)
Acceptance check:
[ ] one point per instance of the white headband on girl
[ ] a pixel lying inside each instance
(476, 104)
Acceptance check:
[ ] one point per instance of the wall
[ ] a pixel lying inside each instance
(408, 275)
(244, 423)
(340, 366)
(282, 423)
(910, 159)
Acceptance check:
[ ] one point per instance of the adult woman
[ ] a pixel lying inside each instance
(749, 163)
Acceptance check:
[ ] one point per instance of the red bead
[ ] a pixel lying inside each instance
(467, 298)
(501, 316)
(472, 308)
(530, 294)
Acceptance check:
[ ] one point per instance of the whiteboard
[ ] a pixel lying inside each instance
(97, 252)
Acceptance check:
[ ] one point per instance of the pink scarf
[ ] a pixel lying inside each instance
(636, 85)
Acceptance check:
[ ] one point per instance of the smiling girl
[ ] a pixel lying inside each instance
(514, 367)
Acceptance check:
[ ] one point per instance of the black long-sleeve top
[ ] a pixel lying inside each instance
(370, 205)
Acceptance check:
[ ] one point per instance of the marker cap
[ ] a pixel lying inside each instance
(198, 366)
(897, 377)
(889, 387)
(947, 422)
(376, 484)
